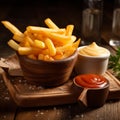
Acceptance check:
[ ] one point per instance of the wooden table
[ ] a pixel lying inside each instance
(63, 13)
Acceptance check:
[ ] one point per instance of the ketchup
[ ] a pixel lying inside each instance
(91, 80)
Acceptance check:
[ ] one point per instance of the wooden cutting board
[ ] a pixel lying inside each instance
(27, 95)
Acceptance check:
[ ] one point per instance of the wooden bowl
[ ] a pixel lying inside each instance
(47, 73)
(91, 96)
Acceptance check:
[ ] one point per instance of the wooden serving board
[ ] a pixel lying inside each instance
(27, 95)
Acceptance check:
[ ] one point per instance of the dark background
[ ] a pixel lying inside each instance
(33, 12)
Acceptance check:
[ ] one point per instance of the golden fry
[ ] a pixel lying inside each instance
(39, 44)
(25, 50)
(76, 44)
(36, 29)
(18, 37)
(40, 57)
(51, 47)
(32, 56)
(73, 39)
(47, 58)
(69, 30)
(58, 57)
(27, 44)
(69, 52)
(11, 27)
(28, 51)
(45, 51)
(13, 44)
(62, 39)
(51, 24)
(30, 41)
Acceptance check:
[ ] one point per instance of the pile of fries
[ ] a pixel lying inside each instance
(43, 43)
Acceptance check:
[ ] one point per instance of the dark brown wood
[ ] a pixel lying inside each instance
(7, 105)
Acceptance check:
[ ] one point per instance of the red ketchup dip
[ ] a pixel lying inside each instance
(91, 81)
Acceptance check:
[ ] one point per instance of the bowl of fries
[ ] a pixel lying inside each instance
(47, 73)
(47, 55)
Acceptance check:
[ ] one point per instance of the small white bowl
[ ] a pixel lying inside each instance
(92, 64)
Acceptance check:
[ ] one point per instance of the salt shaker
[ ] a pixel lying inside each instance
(115, 39)
(92, 21)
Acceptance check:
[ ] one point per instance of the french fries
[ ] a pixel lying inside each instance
(51, 24)
(13, 44)
(11, 27)
(51, 47)
(42, 43)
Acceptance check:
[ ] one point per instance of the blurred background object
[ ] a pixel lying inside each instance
(92, 21)
(115, 40)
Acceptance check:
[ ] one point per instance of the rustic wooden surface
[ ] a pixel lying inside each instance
(23, 13)
(27, 95)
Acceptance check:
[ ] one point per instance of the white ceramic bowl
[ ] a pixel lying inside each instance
(92, 64)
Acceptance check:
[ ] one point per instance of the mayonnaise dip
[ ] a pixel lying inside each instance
(93, 50)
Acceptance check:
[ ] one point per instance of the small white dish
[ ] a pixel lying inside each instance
(92, 64)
